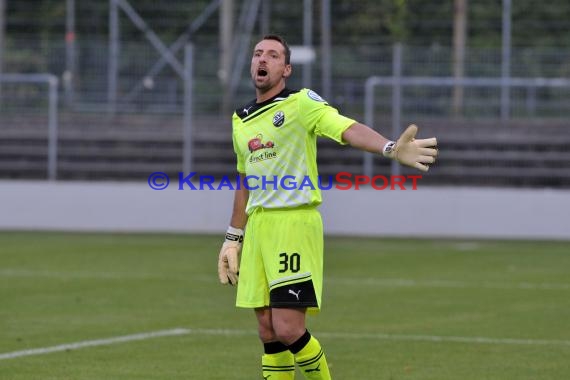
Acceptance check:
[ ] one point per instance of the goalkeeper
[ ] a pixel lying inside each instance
(280, 272)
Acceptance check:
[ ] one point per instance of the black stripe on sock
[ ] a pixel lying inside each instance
(312, 360)
(274, 347)
(285, 368)
(300, 343)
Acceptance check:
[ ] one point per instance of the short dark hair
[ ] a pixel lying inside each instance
(281, 40)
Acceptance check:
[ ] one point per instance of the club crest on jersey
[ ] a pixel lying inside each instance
(313, 95)
(257, 143)
(278, 119)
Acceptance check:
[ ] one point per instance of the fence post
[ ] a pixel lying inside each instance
(396, 101)
(69, 74)
(307, 39)
(52, 128)
(188, 110)
(326, 46)
(113, 57)
(368, 163)
(506, 61)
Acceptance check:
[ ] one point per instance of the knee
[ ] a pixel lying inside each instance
(289, 325)
(265, 325)
(288, 334)
(265, 331)
(282, 332)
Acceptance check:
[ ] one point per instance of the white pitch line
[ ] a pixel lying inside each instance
(450, 339)
(94, 343)
(74, 275)
(332, 335)
(402, 282)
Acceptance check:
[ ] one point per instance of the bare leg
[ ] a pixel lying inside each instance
(277, 361)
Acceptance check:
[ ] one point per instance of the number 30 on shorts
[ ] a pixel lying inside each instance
(290, 262)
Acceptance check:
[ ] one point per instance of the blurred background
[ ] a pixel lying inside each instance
(115, 90)
(465, 278)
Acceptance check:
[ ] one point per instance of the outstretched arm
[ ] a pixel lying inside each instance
(409, 151)
(364, 138)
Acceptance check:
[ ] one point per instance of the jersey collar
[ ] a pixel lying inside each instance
(253, 106)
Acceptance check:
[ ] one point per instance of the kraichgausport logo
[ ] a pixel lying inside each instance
(340, 181)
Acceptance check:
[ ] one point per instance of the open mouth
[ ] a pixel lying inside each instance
(261, 72)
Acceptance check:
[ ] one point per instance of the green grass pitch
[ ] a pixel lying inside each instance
(393, 309)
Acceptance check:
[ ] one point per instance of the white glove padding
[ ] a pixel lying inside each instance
(228, 261)
(411, 152)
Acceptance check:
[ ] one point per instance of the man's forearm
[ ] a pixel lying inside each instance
(228, 259)
(364, 138)
(239, 217)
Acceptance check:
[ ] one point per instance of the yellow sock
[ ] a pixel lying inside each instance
(277, 362)
(310, 358)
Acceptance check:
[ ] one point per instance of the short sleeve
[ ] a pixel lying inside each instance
(321, 118)
(240, 166)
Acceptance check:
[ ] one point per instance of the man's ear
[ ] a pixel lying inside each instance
(288, 70)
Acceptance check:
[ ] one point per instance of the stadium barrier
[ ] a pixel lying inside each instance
(451, 212)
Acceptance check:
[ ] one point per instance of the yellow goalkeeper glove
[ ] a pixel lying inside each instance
(228, 260)
(411, 152)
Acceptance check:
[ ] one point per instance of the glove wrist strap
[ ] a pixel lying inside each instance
(234, 234)
(388, 149)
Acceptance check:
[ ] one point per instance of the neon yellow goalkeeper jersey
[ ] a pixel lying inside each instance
(276, 147)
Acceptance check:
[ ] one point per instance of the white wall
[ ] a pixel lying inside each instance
(434, 212)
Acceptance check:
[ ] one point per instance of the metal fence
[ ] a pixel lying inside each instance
(127, 147)
(25, 101)
(114, 91)
(352, 65)
(397, 85)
